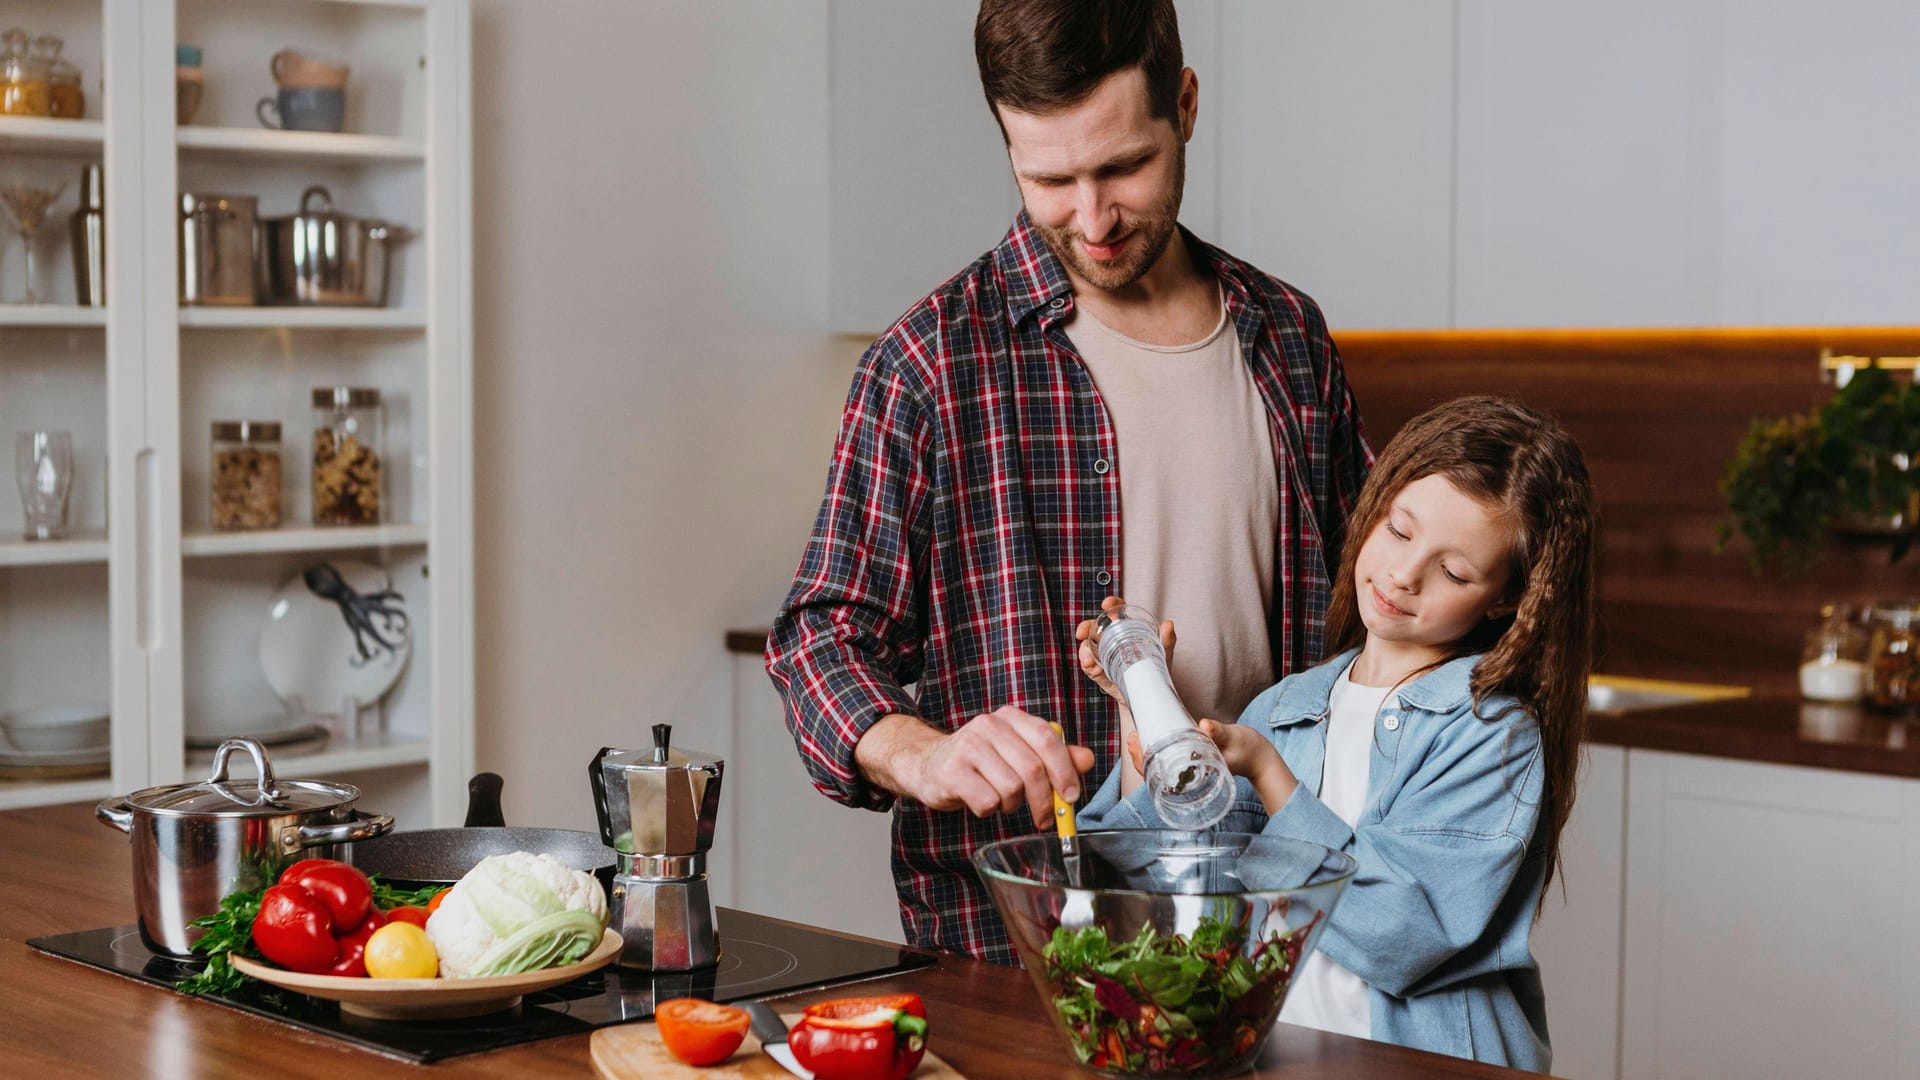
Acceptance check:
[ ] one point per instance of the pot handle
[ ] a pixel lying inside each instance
(326, 199)
(362, 827)
(269, 787)
(382, 230)
(117, 813)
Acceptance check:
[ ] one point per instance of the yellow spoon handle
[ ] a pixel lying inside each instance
(1062, 810)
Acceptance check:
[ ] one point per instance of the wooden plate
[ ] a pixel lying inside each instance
(430, 999)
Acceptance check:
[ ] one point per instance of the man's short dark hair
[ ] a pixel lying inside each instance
(1041, 56)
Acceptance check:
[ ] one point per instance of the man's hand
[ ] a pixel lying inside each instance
(993, 764)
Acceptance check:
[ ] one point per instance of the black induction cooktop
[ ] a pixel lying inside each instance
(759, 957)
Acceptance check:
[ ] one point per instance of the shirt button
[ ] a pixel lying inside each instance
(1103, 578)
(1391, 721)
(1100, 466)
(1058, 303)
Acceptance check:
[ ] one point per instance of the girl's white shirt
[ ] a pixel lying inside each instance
(1324, 994)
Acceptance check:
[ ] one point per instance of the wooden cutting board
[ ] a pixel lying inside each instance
(634, 1051)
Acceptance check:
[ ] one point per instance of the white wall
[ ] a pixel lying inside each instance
(656, 393)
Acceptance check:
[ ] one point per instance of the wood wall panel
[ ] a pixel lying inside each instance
(1658, 414)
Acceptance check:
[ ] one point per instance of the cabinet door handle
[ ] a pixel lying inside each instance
(146, 548)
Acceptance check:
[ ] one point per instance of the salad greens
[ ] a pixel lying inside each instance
(1170, 1004)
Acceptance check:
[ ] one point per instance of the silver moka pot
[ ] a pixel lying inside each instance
(657, 810)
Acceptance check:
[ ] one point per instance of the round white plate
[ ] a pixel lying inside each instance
(268, 731)
(12, 756)
(310, 653)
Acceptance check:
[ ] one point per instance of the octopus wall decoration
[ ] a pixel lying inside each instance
(376, 616)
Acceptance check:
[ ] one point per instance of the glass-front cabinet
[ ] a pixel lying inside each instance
(235, 382)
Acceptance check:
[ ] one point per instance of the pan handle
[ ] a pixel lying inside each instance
(598, 780)
(483, 801)
(362, 827)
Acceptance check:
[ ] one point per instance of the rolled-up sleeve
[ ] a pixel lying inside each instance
(848, 638)
(1435, 870)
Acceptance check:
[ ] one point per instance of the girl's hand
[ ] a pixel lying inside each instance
(1249, 754)
(1089, 652)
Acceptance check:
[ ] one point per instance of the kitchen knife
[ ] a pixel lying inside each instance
(772, 1033)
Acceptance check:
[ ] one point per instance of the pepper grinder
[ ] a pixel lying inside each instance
(88, 230)
(657, 811)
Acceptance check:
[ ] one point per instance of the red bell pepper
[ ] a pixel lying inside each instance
(317, 919)
(863, 1038)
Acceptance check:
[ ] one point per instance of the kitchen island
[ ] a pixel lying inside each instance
(65, 872)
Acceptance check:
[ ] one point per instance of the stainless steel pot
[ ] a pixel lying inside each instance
(195, 843)
(218, 263)
(321, 258)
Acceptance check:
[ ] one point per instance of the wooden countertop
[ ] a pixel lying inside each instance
(66, 872)
(1766, 727)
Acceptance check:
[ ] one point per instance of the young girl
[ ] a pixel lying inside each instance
(1438, 746)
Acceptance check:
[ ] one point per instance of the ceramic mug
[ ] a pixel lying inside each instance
(294, 69)
(303, 109)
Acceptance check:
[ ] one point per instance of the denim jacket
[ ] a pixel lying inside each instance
(1438, 917)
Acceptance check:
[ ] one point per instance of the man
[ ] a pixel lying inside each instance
(1101, 400)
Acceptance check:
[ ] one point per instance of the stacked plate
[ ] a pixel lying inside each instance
(50, 741)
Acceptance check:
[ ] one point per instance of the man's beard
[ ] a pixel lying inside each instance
(1148, 236)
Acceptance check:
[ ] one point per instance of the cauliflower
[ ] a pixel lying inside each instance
(517, 912)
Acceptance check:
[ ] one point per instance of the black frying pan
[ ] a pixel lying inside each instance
(422, 857)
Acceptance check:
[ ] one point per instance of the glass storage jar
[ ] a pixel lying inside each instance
(1833, 661)
(66, 99)
(1893, 655)
(246, 474)
(26, 87)
(346, 455)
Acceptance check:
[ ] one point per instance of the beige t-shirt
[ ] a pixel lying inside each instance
(1199, 502)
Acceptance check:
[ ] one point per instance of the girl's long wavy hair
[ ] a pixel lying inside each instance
(1529, 472)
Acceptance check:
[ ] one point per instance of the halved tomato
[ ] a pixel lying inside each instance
(700, 1032)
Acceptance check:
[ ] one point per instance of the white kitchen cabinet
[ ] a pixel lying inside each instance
(1586, 194)
(1702, 163)
(1577, 940)
(792, 851)
(1815, 162)
(1335, 153)
(1769, 921)
(921, 185)
(148, 607)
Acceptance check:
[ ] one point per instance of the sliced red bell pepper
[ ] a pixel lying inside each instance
(864, 1038)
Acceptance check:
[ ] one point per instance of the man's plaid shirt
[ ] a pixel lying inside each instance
(972, 519)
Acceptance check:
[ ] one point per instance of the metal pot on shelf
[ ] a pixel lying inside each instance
(195, 843)
(322, 258)
(218, 261)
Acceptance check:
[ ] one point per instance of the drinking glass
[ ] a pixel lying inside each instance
(27, 206)
(43, 464)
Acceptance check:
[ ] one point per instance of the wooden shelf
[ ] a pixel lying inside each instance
(18, 793)
(302, 318)
(38, 135)
(303, 145)
(83, 547)
(337, 538)
(51, 314)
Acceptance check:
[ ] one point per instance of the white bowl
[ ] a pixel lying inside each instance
(58, 727)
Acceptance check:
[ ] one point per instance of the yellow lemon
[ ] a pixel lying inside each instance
(401, 950)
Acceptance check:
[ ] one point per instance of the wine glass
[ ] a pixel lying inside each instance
(27, 206)
(43, 466)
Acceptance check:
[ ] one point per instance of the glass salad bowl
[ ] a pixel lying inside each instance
(1164, 953)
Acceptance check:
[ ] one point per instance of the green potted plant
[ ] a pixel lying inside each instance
(1843, 467)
